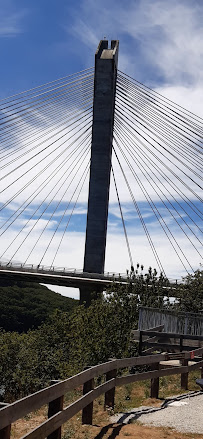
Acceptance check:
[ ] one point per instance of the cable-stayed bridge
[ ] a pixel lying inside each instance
(104, 124)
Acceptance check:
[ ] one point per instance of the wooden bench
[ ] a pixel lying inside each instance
(200, 382)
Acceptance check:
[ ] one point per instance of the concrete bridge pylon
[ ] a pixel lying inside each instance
(106, 61)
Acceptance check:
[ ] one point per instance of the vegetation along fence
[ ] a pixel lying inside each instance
(181, 323)
(54, 395)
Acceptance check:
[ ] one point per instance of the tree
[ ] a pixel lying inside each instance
(67, 342)
(190, 293)
(26, 305)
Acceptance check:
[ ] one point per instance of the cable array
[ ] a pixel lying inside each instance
(45, 140)
(158, 151)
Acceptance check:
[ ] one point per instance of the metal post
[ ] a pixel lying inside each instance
(102, 136)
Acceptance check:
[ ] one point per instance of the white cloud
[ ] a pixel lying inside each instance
(170, 35)
(160, 44)
(117, 259)
(157, 38)
(190, 97)
(11, 19)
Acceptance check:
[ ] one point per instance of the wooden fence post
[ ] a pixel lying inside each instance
(181, 343)
(5, 433)
(202, 369)
(140, 344)
(87, 412)
(55, 406)
(154, 382)
(110, 395)
(184, 376)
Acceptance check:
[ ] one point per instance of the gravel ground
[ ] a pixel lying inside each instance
(183, 413)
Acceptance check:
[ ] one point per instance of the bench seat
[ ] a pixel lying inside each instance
(200, 382)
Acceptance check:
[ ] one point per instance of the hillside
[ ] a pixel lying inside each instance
(25, 306)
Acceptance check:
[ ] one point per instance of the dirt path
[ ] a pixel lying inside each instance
(104, 430)
(183, 413)
(133, 431)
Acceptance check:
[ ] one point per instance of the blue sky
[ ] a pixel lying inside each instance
(160, 41)
(160, 45)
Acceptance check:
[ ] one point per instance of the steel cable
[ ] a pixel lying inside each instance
(84, 173)
(141, 167)
(36, 146)
(163, 98)
(172, 184)
(40, 216)
(156, 211)
(63, 87)
(30, 109)
(48, 146)
(44, 184)
(155, 147)
(157, 105)
(47, 83)
(165, 131)
(140, 216)
(22, 126)
(44, 169)
(70, 216)
(120, 110)
(151, 164)
(122, 219)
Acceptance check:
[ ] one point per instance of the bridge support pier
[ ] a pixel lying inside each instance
(100, 169)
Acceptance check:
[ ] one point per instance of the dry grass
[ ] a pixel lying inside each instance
(127, 397)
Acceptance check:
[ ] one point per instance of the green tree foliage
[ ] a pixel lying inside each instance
(25, 306)
(67, 342)
(190, 293)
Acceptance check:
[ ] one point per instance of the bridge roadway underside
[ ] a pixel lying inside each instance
(63, 280)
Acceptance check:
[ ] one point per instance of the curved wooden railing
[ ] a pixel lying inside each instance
(53, 395)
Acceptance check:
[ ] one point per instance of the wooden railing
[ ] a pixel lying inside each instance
(156, 339)
(174, 321)
(54, 395)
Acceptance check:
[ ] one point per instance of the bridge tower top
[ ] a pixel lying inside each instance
(104, 52)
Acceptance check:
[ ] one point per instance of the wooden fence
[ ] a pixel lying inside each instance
(178, 322)
(156, 340)
(54, 395)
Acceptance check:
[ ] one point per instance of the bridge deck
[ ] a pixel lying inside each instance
(59, 276)
(66, 277)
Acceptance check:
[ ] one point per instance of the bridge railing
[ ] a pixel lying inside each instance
(61, 270)
(64, 271)
(54, 394)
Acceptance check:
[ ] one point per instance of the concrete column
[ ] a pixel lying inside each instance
(102, 135)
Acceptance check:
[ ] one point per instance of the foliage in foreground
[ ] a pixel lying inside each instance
(191, 293)
(88, 336)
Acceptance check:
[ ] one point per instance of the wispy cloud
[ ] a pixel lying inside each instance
(165, 36)
(160, 45)
(11, 19)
